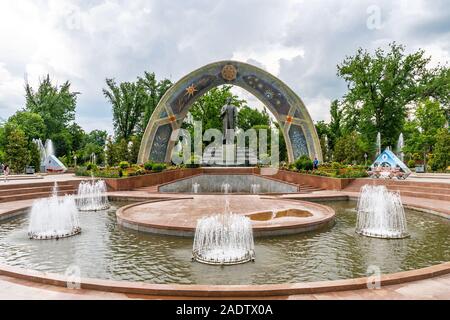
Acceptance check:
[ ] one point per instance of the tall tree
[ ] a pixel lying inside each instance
(17, 155)
(429, 119)
(55, 104)
(382, 86)
(31, 124)
(127, 100)
(335, 126)
(248, 118)
(154, 90)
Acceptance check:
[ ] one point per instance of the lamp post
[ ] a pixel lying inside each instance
(365, 157)
(75, 161)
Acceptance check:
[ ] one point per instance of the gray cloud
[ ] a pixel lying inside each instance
(299, 41)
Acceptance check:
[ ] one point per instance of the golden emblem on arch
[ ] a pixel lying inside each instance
(229, 72)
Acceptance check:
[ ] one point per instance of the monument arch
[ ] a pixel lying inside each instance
(290, 112)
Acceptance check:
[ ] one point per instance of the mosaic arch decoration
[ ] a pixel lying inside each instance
(289, 110)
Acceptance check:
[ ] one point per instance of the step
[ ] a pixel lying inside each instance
(11, 185)
(425, 195)
(418, 188)
(395, 182)
(33, 190)
(34, 195)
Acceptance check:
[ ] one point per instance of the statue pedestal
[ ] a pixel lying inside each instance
(229, 154)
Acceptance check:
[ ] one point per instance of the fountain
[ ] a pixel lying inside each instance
(49, 161)
(400, 145)
(54, 218)
(380, 213)
(378, 143)
(226, 188)
(92, 195)
(224, 239)
(195, 187)
(255, 188)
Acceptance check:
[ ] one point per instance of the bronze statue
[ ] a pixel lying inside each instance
(228, 115)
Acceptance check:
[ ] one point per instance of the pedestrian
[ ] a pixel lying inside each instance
(315, 164)
(6, 172)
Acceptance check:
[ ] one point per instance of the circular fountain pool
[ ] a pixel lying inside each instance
(106, 250)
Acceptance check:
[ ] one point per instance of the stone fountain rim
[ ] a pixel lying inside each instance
(294, 226)
(222, 291)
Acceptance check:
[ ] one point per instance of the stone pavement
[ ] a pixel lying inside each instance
(434, 288)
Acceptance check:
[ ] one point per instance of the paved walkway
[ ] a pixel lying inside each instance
(435, 288)
(39, 179)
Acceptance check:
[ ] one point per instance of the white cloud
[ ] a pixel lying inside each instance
(299, 41)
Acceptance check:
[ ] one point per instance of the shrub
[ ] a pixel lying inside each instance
(411, 164)
(91, 167)
(148, 165)
(158, 167)
(304, 163)
(124, 165)
(353, 174)
(336, 165)
(194, 162)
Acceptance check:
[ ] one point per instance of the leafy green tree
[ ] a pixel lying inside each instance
(127, 100)
(31, 124)
(55, 104)
(77, 138)
(122, 150)
(154, 90)
(429, 119)
(381, 86)
(97, 137)
(17, 155)
(35, 156)
(335, 126)
(62, 142)
(111, 153)
(207, 108)
(248, 117)
(93, 148)
(349, 149)
(441, 153)
(134, 149)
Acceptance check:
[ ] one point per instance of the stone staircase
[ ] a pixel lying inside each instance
(241, 157)
(415, 189)
(15, 192)
(305, 188)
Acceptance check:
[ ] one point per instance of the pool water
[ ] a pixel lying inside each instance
(106, 250)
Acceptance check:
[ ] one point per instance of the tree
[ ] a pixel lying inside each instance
(335, 125)
(97, 137)
(441, 153)
(55, 104)
(35, 156)
(77, 137)
(382, 86)
(248, 117)
(31, 124)
(429, 119)
(207, 108)
(127, 100)
(154, 90)
(133, 103)
(349, 149)
(17, 155)
(111, 153)
(62, 142)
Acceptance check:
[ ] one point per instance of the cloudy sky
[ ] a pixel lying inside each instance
(301, 42)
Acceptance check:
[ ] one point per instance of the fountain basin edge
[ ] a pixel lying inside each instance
(224, 291)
